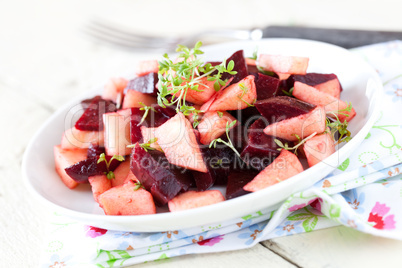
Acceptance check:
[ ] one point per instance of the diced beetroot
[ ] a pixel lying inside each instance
(99, 185)
(219, 161)
(283, 64)
(237, 179)
(148, 133)
(266, 86)
(327, 83)
(117, 132)
(331, 104)
(239, 66)
(126, 200)
(121, 173)
(74, 138)
(281, 108)
(234, 97)
(261, 149)
(193, 199)
(213, 125)
(114, 88)
(162, 182)
(133, 99)
(318, 148)
(82, 170)
(285, 166)
(145, 84)
(302, 125)
(91, 119)
(147, 66)
(177, 139)
(94, 151)
(65, 158)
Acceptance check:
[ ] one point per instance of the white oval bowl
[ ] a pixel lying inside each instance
(361, 85)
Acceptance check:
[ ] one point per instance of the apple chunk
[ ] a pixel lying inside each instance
(213, 125)
(193, 199)
(318, 148)
(286, 165)
(283, 64)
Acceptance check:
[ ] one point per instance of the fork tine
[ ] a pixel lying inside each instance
(110, 34)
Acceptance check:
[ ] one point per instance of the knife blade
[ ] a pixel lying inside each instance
(340, 37)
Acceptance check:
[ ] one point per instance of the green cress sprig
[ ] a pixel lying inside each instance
(146, 145)
(338, 126)
(146, 109)
(229, 143)
(109, 174)
(245, 90)
(294, 148)
(177, 78)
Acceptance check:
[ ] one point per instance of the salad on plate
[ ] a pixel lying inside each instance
(183, 125)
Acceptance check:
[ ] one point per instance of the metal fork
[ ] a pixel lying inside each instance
(112, 34)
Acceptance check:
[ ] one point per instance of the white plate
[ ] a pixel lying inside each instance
(362, 87)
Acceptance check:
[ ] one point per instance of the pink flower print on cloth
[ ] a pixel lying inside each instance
(378, 216)
(94, 231)
(211, 241)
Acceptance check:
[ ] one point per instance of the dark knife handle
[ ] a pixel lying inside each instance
(340, 37)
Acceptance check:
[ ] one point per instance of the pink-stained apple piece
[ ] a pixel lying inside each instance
(121, 173)
(213, 125)
(66, 158)
(193, 199)
(285, 166)
(235, 97)
(99, 185)
(114, 89)
(117, 132)
(146, 67)
(178, 140)
(283, 64)
(126, 199)
(74, 138)
(331, 104)
(318, 148)
(133, 98)
(148, 133)
(303, 125)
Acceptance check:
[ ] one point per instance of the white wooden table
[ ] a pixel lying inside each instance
(44, 62)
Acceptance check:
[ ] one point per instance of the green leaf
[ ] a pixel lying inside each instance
(368, 136)
(344, 165)
(334, 211)
(310, 224)
(122, 253)
(300, 216)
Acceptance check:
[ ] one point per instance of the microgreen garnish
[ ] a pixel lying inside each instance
(218, 163)
(220, 114)
(147, 145)
(229, 143)
(294, 148)
(177, 78)
(288, 93)
(255, 54)
(245, 90)
(337, 126)
(261, 70)
(138, 185)
(146, 109)
(109, 174)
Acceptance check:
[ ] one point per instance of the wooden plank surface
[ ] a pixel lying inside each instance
(45, 62)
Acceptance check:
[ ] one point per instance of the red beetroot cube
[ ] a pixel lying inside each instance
(127, 200)
(145, 84)
(193, 199)
(240, 67)
(327, 83)
(285, 166)
(237, 179)
(267, 86)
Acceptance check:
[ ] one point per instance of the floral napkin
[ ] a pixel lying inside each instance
(364, 193)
